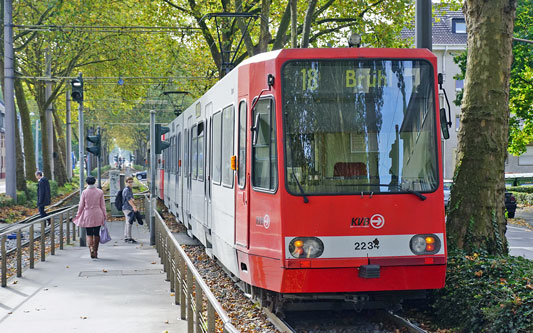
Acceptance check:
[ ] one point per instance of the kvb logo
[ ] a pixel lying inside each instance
(377, 221)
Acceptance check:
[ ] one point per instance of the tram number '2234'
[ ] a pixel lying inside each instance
(373, 245)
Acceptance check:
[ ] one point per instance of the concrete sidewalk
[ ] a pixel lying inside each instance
(123, 291)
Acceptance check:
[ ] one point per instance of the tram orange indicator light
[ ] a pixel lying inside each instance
(430, 240)
(299, 243)
(233, 162)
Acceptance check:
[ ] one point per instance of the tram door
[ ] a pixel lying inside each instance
(242, 193)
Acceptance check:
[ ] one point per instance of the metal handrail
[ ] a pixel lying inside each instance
(64, 216)
(182, 276)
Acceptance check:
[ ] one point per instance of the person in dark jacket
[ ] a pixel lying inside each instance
(43, 193)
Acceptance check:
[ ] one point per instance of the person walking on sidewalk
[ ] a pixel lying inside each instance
(128, 205)
(43, 193)
(91, 214)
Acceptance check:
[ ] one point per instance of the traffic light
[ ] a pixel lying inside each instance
(77, 89)
(95, 149)
(115, 158)
(159, 144)
(132, 157)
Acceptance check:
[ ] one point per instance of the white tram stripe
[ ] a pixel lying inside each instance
(365, 246)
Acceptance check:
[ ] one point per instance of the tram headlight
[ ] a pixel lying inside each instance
(306, 247)
(425, 244)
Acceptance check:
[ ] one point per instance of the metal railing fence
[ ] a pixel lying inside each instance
(198, 304)
(62, 220)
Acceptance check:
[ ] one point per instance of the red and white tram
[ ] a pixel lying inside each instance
(308, 171)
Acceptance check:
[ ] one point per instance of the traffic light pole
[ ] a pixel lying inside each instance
(152, 177)
(99, 159)
(81, 137)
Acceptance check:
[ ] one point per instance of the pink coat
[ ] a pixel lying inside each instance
(91, 211)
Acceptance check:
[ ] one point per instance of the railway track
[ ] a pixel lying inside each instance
(50, 210)
(342, 321)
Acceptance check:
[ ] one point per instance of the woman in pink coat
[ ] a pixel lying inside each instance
(91, 214)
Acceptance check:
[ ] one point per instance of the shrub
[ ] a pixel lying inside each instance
(486, 293)
(31, 192)
(21, 198)
(53, 188)
(524, 189)
(523, 198)
(5, 200)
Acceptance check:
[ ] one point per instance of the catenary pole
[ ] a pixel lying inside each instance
(9, 101)
(423, 29)
(69, 139)
(81, 137)
(152, 177)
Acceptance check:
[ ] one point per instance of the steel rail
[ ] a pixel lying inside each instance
(30, 218)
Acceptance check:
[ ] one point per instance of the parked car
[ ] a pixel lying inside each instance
(447, 187)
(510, 204)
(141, 175)
(510, 200)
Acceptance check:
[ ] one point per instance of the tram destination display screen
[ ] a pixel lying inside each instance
(364, 125)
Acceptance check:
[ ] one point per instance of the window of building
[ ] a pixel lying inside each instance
(459, 26)
(457, 123)
(459, 84)
(217, 148)
(264, 152)
(228, 121)
(527, 157)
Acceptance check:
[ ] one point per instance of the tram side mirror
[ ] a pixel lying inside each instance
(444, 124)
(440, 78)
(255, 129)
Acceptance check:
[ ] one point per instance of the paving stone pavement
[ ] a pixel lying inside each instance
(123, 291)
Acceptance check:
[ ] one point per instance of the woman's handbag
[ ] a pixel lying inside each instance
(104, 234)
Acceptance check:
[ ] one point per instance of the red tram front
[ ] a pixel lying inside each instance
(343, 188)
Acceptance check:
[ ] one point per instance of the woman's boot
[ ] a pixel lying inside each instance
(96, 242)
(90, 243)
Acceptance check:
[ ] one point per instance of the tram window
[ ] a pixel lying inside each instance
(201, 152)
(217, 147)
(194, 152)
(241, 166)
(179, 155)
(264, 155)
(228, 123)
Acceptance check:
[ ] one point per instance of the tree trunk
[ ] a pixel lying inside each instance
(29, 156)
(264, 26)
(60, 171)
(60, 168)
(476, 219)
(47, 171)
(307, 23)
(294, 23)
(21, 180)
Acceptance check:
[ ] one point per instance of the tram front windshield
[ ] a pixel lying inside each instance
(353, 126)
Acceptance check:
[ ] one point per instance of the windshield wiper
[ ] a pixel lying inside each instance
(418, 194)
(300, 187)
